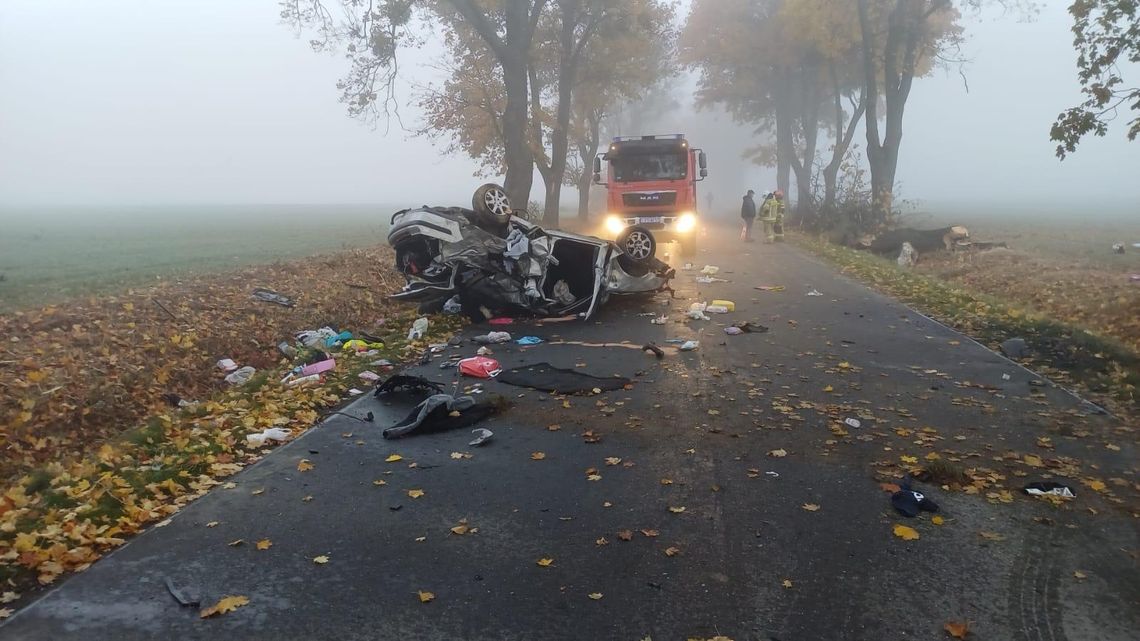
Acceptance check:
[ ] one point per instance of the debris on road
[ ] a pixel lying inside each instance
(1049, 488)
(492, 338)
(814, 292)
(529, 340)
(548, 378)
(728, 305)
(227, 365)
(271, 434)
(908, 257)
(241, 376)
(909, 503)
(482, 435)
(651, 347)
(319, 367)
(479, 367)
(183, 600)
(770, 288)
(408, 383)
(418, 329)
(689, 346)
(443, 412)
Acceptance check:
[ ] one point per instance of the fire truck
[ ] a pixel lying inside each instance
(651, 186)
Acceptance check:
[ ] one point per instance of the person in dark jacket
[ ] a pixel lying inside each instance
(748, 213)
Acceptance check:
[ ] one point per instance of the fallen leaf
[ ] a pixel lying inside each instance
(992, 536)
(392, 458)
(956, 629)
(234, 544)
(650, 533)
(601, 541)
(425, 597)
(625, 535)
(212, 524)
(677, 510)
(537, 456)
(258, 491)
(9, 597)
(787, 583)
(666, 481)
(906, 533)
(459, 529)
(321, 560)
(415, 494)
(5, 613)
(595, 595)
(1080, 576)
(421, 539)
(224, 605)
(612, 460)
(889, 487)
(264, 544)
(937, 520)
(829, 389)
(672, 551)
(545, 563)
(810, 507)
(460, 455)
(607, 504)
(780, 453)
(307, 498)
(909, 459)
(553, 427)
(1033, 461)
(304, 465)
(1113, 447)
(594, 477)
(379, 482)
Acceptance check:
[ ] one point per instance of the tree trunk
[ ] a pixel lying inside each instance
(517, 155)
(587, 151)
(784, 145)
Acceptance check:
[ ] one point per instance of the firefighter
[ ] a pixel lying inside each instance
(772, 215)
(748, 213)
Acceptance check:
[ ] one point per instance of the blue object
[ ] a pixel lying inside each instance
(339, 338)
(675, 341)
(529, 340)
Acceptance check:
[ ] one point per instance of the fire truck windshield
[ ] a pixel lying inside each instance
(643, 167)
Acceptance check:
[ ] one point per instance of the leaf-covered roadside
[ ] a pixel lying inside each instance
(92, 454)
(1102, 368)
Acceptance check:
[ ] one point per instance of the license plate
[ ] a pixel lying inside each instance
(650, 219)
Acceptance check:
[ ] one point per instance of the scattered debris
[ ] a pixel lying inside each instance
(689, 346)
(479, 367)
(270, 296)
(1015, 348)
(1049, 488)
(529, 340)
(482, 435)
(492, 338)
(241, 376)
(183, 600)
(548, 378)
(271, 434)
(909, 503)
(814, 292)
(908, 257)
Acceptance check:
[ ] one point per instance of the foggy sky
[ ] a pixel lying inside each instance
(214, 101)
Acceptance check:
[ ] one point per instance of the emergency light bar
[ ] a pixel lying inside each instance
(653, 137)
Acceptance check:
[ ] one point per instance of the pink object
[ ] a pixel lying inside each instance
(1134, 278)
(501, 320)
(479, 367)
(318, 368)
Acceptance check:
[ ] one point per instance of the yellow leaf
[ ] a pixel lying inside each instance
(937, 520)
(666, 481)
(415, 494)
(1080, 576)
(958, 630)
(425, 597)
(844, 365)
(612, 460)
(992, 536)
(212, 524)
(672, 551)
(304, 465)
(932, 456)
(459, 529)
(601, 541)
(554, 427)
(545, 562)
(1095, 485)
(595, 595)
(810, 507)
(906, 533)
(677, 510)
(36, 376)
(780, 453)
(787, 583)
(392, 458)
(909, 459)
(5, 613)
(1033, 461)
(224, 605)
(593, 477)
(829, 389)
(537, 456)
(321, 560)
(379, 482)
(1110, 446)
(234, 544)
(264, 544)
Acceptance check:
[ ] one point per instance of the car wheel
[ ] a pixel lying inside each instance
(638, 243)
(491, 202)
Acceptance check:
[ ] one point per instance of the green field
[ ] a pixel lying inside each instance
(48, 255)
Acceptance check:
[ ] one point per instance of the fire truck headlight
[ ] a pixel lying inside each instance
(687, 222)
(614, 225)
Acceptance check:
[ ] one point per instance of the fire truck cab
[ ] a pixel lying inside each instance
(652, 185)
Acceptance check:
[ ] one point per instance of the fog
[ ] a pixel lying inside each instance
(123, 102)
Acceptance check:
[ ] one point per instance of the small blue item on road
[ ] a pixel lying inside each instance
(529, 340)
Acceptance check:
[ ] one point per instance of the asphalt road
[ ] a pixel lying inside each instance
(752, 562)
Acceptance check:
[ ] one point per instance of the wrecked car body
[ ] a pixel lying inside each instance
(495, 261)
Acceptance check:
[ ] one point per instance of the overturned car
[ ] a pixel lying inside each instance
(491, 261)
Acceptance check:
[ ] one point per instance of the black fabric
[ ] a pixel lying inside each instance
(748, 208)
(441, 420)
(909, 502)
(403, 381)
(548, 378)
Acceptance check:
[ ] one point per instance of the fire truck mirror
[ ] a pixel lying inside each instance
(702, 162)
(704, 173)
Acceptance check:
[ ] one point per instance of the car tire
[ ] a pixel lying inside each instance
(491, 203)
(688, 246)
(638, 243)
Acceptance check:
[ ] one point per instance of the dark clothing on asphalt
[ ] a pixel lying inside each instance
(548, 378)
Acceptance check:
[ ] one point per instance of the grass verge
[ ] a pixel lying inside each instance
(1102, 368)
